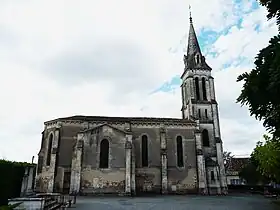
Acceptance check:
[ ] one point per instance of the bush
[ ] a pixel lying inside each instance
(10, 179)
(9, 207)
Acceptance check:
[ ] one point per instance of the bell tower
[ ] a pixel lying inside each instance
(199, 103)
(198, 84)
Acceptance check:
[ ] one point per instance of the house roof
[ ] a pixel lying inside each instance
(236, 164)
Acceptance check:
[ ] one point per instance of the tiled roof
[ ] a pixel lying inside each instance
(122, 119)
(236, 164)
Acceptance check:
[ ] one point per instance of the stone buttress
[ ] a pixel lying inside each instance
(163, 153)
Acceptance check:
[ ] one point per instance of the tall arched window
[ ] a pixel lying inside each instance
(49, 150)
(180, 156)
(204, 89)
(197, 89)
(104, 154)
(205, 138)
(144, 147)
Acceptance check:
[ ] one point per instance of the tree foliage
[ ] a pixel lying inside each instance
(261, 88)
(267, 158)
(10, 207)
(261, 92)
(251, 174)
(227, 157)
(273, 8)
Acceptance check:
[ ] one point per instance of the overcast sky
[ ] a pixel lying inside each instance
(120, 58)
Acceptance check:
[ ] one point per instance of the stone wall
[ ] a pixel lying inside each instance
(180, 180)
(67, 141)
(95, 180)
(112, 180)
(45, 180)
(102, 181)
(210, 151)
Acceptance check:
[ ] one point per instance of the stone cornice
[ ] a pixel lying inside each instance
(193, 101)
(200, 69)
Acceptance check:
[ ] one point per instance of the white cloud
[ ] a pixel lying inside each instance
(52, 54)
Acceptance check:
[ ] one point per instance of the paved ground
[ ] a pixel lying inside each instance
(248, 202)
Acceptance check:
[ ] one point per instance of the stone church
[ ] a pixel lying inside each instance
(134, 155)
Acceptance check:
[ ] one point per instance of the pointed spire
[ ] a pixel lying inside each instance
(194, 58)
(193, 45)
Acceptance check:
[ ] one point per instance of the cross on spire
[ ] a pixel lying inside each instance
(190, 8)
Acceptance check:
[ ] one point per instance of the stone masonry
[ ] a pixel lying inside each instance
(91, 155)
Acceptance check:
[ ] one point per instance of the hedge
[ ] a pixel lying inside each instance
(11, 175)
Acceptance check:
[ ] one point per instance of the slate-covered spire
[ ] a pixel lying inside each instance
(193, 45)
(194, 58)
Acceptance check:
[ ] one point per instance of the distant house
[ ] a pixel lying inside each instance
(233, 167)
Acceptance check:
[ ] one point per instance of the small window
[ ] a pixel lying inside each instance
(197, 59)
(180, 156)
(104, 154)
(49, 150)
(205, 138)
(206, 114)
(199, 113)
(144, 151)
(212, 176)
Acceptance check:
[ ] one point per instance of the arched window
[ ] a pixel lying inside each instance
(205, 138)
(144, 147)
(180, 156)
(197, 89)
(104, 154)
(49, 150)
(204, 89)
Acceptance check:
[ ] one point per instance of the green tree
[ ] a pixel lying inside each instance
(267, 156)
(273, 8)
(261, 88)
(251, 174)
